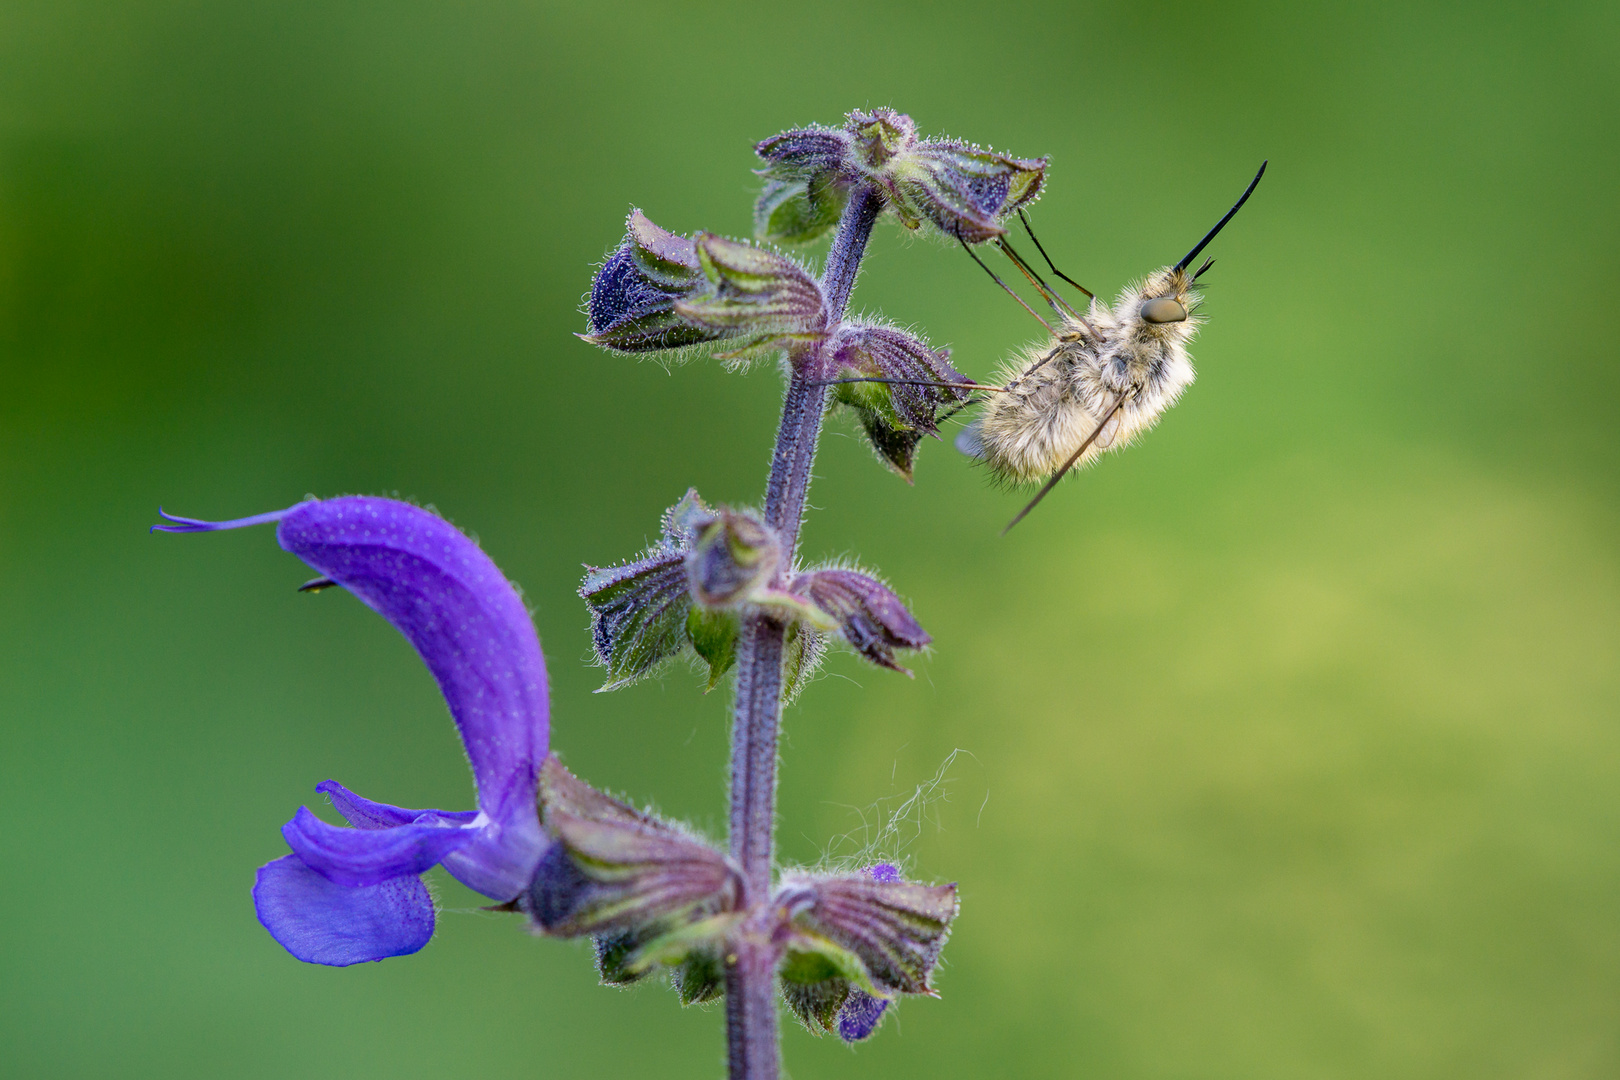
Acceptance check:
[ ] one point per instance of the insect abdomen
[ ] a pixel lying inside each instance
(1027, 432)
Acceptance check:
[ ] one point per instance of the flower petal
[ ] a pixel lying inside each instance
(471, 629)
(359, 857)
(860, 1015)
(321, 922)
(362, 813)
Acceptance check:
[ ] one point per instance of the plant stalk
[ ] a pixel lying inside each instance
(752, 1048)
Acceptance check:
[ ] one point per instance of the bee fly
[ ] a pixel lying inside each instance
(1102, 379)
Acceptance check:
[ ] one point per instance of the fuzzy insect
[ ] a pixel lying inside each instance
(1101, 380)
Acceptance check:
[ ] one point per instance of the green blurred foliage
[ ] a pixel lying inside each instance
(1289, 737)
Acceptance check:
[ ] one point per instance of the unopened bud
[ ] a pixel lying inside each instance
(961, 189)
(734, 558)
(658, 292)
(868, 615)
(858, 941)
(808, 176)
(897, 413)
(632, 303)
(615, 868)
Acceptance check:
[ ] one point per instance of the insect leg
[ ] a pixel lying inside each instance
(1004, 285)
(1049, 294)
(1046, 290)
(1067, 465)
(1027, 228)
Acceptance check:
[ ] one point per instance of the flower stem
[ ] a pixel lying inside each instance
(752, 1046)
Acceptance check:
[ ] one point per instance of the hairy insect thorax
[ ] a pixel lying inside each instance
(1144, 355)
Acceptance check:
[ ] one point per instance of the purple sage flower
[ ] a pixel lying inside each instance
(348, 895)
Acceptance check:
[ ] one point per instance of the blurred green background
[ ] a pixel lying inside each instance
(1288, 738)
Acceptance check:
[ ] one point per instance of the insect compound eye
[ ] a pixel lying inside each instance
(1164, 309)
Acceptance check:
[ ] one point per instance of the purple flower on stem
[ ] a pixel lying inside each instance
(347, 895)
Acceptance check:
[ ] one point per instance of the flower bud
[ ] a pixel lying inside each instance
(659, 291)
(894, 415)
(855, 942)
(643, 612)
(807, 183)
(631, 307)
(961, 189)
(753, 294)
(734, 558)
(615, 870)
(869, 616)
(897, 928)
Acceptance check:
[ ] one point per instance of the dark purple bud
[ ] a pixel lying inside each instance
(631, 307)
(659, 292)
(869, 616)
(615, 869)
(639, 610)
(734, 557)
(811, 149)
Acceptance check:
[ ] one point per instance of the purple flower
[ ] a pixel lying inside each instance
(348, 895)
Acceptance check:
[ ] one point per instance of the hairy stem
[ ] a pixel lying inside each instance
(751, 1021)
